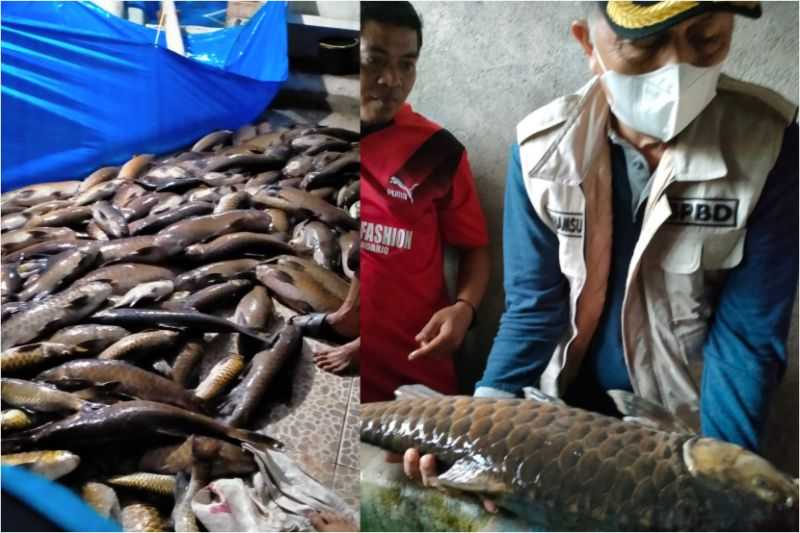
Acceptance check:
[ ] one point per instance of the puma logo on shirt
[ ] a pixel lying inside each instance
(406, 193)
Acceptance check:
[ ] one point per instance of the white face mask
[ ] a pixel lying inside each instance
(663, 102)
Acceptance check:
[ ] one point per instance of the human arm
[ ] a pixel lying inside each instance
(745, 351)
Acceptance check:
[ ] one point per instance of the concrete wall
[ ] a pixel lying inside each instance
(484, 66)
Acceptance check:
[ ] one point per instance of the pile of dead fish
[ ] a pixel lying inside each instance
(139, 338)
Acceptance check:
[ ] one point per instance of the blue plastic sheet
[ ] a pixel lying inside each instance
(194, 12)
(82, 88)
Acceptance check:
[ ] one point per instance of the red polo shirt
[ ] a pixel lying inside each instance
(417, 193)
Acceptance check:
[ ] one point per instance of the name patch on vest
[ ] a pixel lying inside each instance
(716, 212)
(568, 224)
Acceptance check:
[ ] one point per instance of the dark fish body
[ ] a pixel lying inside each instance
(176, 237)
(254, 309)
(128, 379)
(66, 307)
(237, 244)
(332, 282)
(110, 219)
(139, 344)
(214, 273)
(93, 337)
(65, 266)
(230, 459)
(32, 355)
(586, 471)
(21, 238)
(140, 249)
(247, 396)
(298, 201)
(185, 362)
(159, 220)
(207, 298)
(125, 276)
(126, 420)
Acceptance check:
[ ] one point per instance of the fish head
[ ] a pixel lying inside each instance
(742, 471)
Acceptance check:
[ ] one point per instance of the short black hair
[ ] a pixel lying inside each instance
(400, 14)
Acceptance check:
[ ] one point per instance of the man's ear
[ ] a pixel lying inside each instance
(580, 32)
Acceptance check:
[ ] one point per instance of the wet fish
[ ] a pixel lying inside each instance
(142, 517)
(237, 245)
(98, 176)
(21, 238)
(40, 397)
(154, 290)
(140, 249)
(138, 344)
(123, 277)
(185, 362)
(15, 420)
(110, 220)
(243, 401)
(349, 243)
(214, 273)
(297, 201)
(230, 459)
(29, 356)
(176, 237)
(92, 337)
(333, 173)
(212, 139)
(43, 192)
(99, 192)
(102, 499)
(51, 464)
(135, 166)
(280, 221)
(46, 248)
(254, 309)
(68, 216)
(188, 484)
(122, 378)
(231, 201)
(160, 484)
(220, 376)
(329, 280)
(316, 142)
(64, 267)
(193, 319)
(64, 308)
(205, 299)
(13, 222)
(349, 194)
(318, 239)
(582, 470)
(297, 289)
(140, 207)
(124, 420)
(10, 282)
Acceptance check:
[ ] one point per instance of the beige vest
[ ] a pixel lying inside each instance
(693, 230)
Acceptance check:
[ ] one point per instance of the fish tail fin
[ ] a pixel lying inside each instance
(257, 439)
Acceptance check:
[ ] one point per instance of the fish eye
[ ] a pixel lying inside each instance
(759, 482)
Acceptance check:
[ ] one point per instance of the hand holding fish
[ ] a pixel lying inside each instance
(444, 332)
(424, 469)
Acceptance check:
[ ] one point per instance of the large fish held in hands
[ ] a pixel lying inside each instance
(565, 468)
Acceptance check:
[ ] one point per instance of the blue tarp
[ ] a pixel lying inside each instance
(82, 88)
(194, 12)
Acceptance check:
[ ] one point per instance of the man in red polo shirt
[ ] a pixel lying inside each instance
(417, 194)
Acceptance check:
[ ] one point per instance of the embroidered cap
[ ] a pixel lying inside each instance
(635, 20)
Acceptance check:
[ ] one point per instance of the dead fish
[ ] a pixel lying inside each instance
(140, 207)
(331, 281)
(51, 464)
(10, 309)
(98, 176)
(297, 290)
(138, 344)
(110, 219)
(244, 134)
(188, 484)
(585, 470)
(168, 203)
(315, 143)
(298, 166)
(102, 499)
(135, 166)
(68, 216)
(207, 298)
(32, 355)
(349, 194)
(214, 138)
(266, 141)
(185, 362)
(13, 222)
(318, 239)
(121, 378)
(21, 238)
(126, 193)
(191, 319)
(280, 221)
(220, 376)
(159, 219)
(237, 244)
(254, 309)
(94, 338)
(125, 276)
(176, 237)
(15, 420)
(141, 249)
(133, 419)
(10, 282)
(262, 179)
(49, 247)
(333, 173)
(297, 201)
(230, 459)
(169, 178)
(94, 231)
(40, 397)
(341, 133)
(64, 308)
(154, 290)
(43, 192)
(214, 273)
(204, 194)
(65, 267)
(355, 209)
(248, 162)
(142, 517)
(101, 191)
(349, 243)
(246, 397)
(160, 484)
(231, 201)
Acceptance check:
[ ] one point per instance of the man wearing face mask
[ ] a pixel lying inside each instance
(417, 194)
(650, 230)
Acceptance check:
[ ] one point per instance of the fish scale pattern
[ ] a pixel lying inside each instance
(589, 470)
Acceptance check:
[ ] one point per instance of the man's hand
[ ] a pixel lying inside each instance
(444, 332)
(424, 468)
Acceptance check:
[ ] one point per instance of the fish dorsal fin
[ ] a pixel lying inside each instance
(532, 393)
(406, 392)
(468, 476)
(644, 412)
